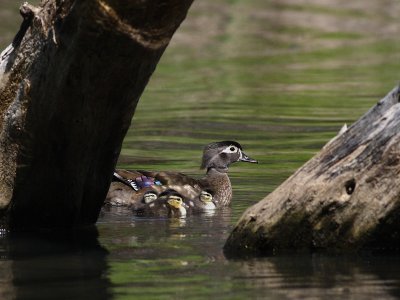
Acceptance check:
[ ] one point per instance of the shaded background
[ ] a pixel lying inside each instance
(281, 78)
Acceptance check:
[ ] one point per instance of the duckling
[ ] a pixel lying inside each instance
(217, 157)
(148, 197)
(204, 202)
(168, 204)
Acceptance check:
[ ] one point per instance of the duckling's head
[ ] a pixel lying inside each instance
(206, 197)
(175, 202)
(220, 155)
(149, 197)
(172, 198)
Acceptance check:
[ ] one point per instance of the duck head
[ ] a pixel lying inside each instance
(174, 201)
(206, 197)
(149, 197)
(220, 155)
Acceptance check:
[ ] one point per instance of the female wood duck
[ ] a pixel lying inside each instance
(217, 158)
(168, 204)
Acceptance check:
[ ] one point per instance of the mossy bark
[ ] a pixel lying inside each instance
(347, 197)
(69, 85)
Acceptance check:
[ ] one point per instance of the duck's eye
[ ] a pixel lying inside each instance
(230, 149)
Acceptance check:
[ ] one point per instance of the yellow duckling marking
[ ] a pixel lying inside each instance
(176, 202)
(207, 198)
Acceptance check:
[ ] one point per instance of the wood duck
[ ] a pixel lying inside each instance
(168, 204)
(204, 202)
(217, 158)
(148, 197)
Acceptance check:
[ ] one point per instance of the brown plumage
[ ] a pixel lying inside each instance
(130, 186)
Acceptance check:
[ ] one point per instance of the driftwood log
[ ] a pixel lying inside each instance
(346, 198)
(69, 85)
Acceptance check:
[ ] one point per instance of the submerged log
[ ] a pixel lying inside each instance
(347, 197)
(69, 85)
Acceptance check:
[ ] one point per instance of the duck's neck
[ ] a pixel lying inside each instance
(219, 182)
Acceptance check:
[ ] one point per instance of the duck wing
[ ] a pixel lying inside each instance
(119, 194)
(187, 186)
(129, 187)
(130, 178)
(138, 179)
(171, 178)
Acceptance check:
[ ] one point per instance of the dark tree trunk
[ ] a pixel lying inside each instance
(345, 198)
(69, 85)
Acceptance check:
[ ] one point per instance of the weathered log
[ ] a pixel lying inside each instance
(345, 198)
(69, 85)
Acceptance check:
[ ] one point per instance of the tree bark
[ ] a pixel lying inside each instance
(346, 198)
(69, 85)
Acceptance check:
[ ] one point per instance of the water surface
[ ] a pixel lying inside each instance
(280, 77)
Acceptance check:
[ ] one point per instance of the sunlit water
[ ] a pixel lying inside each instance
(280, 77)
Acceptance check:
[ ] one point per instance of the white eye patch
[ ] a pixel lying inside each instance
(231, 149)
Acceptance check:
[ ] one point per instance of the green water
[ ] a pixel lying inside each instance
(281, 78)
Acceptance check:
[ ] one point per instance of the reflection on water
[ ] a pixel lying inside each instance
(184, 260)
(158, 257)
(281, 77)
(53, 265)
(315, 276)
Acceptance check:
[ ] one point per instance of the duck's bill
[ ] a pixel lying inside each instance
(245, 158)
